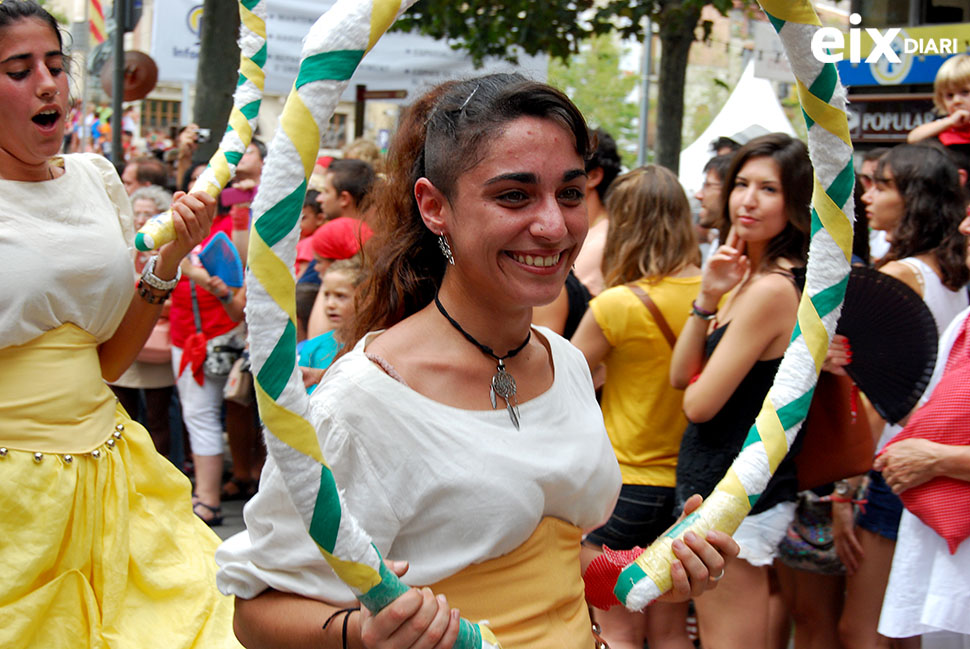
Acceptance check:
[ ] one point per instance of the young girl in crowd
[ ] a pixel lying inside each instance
(99, 544)
(480, 219)
(651, 256)
(918, 201)
(339, 287)
(725, 360)
(951, 97)
(311, 218)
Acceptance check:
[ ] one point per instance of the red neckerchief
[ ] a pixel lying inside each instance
(955, 136)
(193, 353)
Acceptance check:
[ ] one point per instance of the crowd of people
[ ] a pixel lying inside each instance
(524, 354)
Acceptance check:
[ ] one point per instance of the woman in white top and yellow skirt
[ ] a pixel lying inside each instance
(98, 545)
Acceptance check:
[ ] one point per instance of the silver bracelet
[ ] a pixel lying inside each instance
(148, 276)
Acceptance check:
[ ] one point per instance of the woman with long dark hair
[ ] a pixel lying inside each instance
(917, 200)
(99, 545)
(725, 360)
(467, 441)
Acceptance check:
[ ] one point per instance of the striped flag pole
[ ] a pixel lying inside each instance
(243, 118)
(96, 21)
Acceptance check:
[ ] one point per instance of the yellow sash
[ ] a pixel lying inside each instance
(52, 397)
(533, 597)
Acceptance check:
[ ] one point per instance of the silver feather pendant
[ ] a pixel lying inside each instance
(503, 385)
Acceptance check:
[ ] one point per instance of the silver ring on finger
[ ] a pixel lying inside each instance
(719, 576)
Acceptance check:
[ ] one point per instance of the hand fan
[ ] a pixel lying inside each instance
(219, 257)
(893, 338)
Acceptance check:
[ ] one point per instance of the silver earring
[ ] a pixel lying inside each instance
(446, 249)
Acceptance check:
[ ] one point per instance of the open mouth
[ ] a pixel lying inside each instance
(46, 118)
(539, 261)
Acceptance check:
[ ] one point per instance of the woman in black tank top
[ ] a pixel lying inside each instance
(726, 357)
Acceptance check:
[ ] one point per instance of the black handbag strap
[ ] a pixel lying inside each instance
(195, 307)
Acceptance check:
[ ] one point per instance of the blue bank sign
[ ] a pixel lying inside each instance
(917, 53)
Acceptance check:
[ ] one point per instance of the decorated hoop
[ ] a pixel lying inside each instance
(822, 99)
(331, 52)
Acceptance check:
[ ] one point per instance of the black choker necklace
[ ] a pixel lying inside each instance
(503, 384)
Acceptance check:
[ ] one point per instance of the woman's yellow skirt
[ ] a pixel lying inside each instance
(99, 548)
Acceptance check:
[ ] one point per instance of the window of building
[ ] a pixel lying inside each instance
(335, 135)
(946, 11)
(883, 13)
(159, 115)
(902, 13)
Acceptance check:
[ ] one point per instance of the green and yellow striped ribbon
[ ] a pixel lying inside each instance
(246, 100)
(332, 50)
(822, 99)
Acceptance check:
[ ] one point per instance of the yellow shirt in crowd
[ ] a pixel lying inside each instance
(643, 413)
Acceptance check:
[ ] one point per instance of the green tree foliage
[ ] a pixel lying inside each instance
(599, 88)
(557, 27)
(59, 16)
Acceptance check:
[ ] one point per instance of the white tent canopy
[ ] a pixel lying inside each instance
(753, 101)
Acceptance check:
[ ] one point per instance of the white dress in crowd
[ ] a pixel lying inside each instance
(929, 589)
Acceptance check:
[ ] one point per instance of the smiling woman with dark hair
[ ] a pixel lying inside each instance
(100, 547)
(725, 360)
(467, 441)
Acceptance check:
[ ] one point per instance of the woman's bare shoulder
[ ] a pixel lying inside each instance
(904, 273)
(410, 345)
(767, 294)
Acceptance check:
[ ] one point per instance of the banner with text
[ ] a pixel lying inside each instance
(398, 62)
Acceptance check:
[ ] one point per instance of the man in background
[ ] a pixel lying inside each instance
(602, 168)
(709, 218)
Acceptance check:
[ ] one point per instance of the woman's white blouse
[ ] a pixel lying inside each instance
(66, 252)
(438, 486)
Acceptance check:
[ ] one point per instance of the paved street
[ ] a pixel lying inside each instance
(232, 520)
